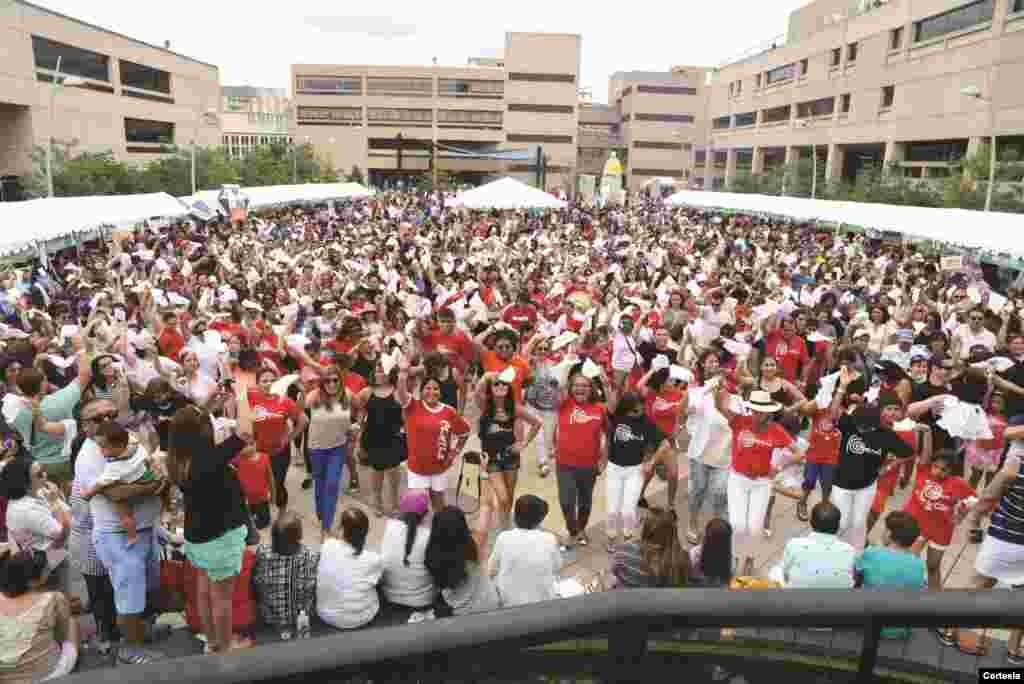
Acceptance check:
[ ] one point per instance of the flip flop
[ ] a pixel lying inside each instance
(980, 647)
(1016, 659)
(691, 538)
(945, 636)
(801, 511)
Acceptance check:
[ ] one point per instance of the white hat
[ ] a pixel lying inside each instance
(761, 402)
(565, 339)
(507, 376)
(590, 369)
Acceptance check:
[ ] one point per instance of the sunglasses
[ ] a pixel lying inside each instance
(101, 418)
(503, 346)
(331, 381)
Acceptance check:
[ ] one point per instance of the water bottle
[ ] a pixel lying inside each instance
(302, 625)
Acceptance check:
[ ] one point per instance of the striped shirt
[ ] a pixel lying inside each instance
(1008, 519)
(83, 553)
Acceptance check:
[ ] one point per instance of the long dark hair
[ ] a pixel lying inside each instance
(491, 407)
(412, 520)
(716, 552)
(450, 548)
(190, 433)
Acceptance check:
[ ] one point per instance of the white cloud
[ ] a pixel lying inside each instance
(374, 27)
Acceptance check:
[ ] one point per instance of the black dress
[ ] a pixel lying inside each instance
(384, 434)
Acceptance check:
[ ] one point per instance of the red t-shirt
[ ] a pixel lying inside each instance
(580, 427)
(170, 343)
(457, 347)
(354, 382)
(520, 316)
(270, 420)
(254, 476)
(789, 352)
(752, 451)
(933, 504)
(824, 439)
(663, 409)
(430, 435)
(230, 328)
(998, 425)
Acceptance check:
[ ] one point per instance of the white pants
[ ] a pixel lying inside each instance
(747, 500)
(432, 483)
(549, 421)
(853, 505)
(623, 485)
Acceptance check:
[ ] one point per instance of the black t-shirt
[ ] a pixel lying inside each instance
(648, 351)
(161, 414)
(861, 453)
(926, 390)
(629, 438)
(212, 494)
(1014, 401)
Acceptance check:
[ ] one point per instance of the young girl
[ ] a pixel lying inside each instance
(257, 480)
(983, 455)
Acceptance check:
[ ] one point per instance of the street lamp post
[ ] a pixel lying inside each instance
(57, 82)
(972, 91)
(814, 161)
(204, 118)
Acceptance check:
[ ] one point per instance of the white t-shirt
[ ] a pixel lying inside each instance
(967, 339)
(346, 585)
(527, 564)
(623, 352)
(407, 585)
(125, 470)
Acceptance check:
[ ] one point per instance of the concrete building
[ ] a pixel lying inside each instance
(253, 117)
(384, 119)
(875, 83)
(662, 118)
(131, 98)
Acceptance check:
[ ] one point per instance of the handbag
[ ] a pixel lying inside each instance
(172, 581)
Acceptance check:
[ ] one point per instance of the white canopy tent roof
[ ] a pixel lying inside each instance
(507, 193)
(992, 231)
(42, 220)
(276, 195)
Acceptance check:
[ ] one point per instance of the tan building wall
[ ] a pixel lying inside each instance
(253, 117)
(92, 118)
(902, 83)
(352, 114)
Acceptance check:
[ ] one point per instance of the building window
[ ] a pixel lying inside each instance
(543, 78)
(844, 103)
(671, 173)
(654, 145)
(329, 114)
(392, 114)
(757, 81)
(145, 78)
(542, 109)
(888, 96)
(664, 118)
(626, 92)
(329, 85)
(954, 20)
(745, 119)
(837, 57)
(153, 132)
(949, 151)
(457, 87)
(779, 74)
(896, 38)
(666, 90)
(775, 114)
(1018, 6)
(821, 107)
(739, 87)
(721, 122)
(803, 67)
(399, 86)
(471, 117)
(536, 138)
(73, 61)
(851, 53)
(700, 157)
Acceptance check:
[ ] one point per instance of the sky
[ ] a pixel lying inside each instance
(255, 43)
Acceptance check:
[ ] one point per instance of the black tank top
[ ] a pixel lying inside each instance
(496, 436)
(384, 422)
(450, 391)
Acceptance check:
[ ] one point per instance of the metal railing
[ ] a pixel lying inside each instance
(629, 620)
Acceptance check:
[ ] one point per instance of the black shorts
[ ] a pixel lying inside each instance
(503, 462)
(260, 515)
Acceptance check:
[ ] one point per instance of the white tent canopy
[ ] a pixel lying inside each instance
(507, 193)
(991, 231)
(41, 220)
(276, 195)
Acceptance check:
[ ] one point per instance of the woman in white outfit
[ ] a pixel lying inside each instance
(709, 450)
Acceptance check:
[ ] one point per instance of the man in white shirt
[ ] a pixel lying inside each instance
(973, 334)
(820, 560)
(526, 561)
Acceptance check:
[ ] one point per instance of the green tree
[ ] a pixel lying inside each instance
(89, 173)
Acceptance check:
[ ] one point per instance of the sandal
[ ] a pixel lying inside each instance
(1016, 659)
(801, 511)
(584, 540)
(543, 470)
(692, 538)
(946, 636)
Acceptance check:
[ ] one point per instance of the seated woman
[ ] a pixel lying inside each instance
(285, 575)
(346, 582)
(453, 562)
(711, 563)
(526, 560)
(657, 559)
(38, 518)
(406, 581)
(39, 638)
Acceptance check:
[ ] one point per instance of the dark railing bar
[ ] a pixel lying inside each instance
(606, 613)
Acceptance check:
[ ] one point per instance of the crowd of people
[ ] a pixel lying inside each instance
(160, 384)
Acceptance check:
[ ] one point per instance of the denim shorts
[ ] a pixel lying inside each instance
(133, 569)
(503, 462)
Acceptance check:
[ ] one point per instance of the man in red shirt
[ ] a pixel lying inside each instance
(171, 341)
(448, 340)
(522, 314)
(276, 421)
